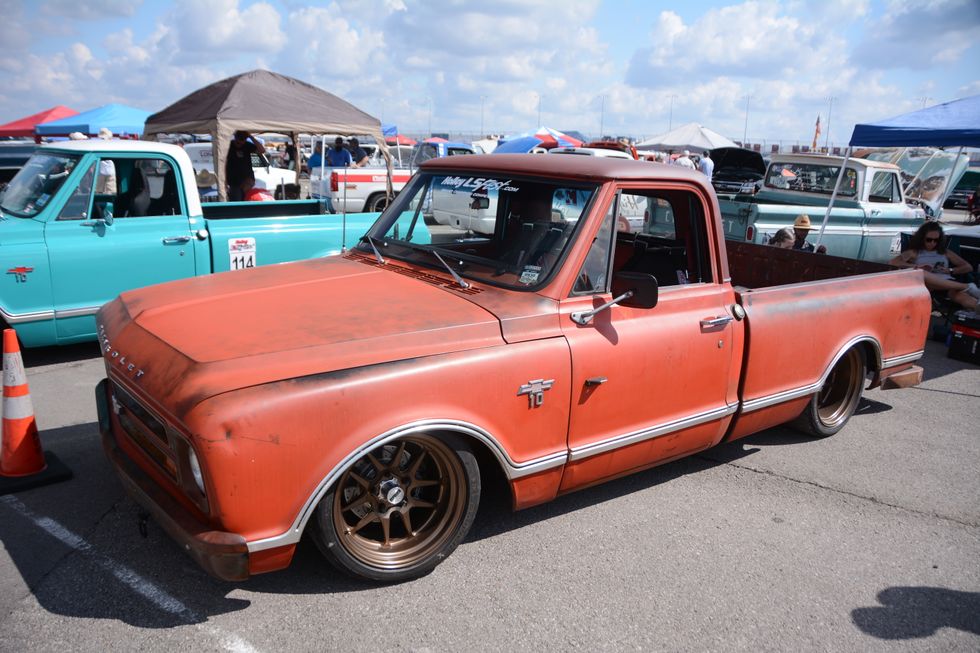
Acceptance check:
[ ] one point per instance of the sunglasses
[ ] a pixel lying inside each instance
(932, 240)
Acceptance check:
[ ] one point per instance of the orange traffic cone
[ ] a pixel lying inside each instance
(22, 462)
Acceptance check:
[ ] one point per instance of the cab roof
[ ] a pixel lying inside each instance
(584, 168)
(100, 145)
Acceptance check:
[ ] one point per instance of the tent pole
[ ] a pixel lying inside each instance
(833, 196)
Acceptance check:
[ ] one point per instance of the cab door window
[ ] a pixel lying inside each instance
(663, 233)
(78, 203)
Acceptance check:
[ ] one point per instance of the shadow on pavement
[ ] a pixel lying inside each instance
(916, 612)
(39, 356)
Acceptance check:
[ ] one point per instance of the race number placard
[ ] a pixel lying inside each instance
(241, 253)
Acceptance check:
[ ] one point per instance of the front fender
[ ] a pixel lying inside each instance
(270, 452)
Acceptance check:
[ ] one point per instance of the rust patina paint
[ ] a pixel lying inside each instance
(282, 375)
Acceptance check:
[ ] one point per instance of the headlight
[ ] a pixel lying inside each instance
(195, 469)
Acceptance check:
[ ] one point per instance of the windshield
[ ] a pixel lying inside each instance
(36, 183)
(811, 178)
(499, 230)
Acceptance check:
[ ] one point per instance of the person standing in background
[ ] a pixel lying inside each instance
(707, 166)
(238, 164)
(338, 156)
(358, 156)
(684, 160)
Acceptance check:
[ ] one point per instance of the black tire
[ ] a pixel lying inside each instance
(832, 406)
(401, 509)
(376, 203)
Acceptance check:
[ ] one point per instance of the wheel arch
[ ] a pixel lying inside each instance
(490, 455)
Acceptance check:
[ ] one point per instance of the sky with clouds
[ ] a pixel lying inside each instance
(628, 67)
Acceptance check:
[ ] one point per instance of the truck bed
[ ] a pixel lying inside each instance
(285, 208)
(760, 266)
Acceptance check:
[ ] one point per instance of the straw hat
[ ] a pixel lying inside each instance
(105, 133)
(206, 179)
(802, 222)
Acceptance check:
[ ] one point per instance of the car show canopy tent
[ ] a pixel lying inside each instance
(691, 136)
(25, 126)
(955, 124)
(118, 118)
(261, 101)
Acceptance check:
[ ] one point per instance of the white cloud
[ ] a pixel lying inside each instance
(221, 29)
(917, 34)
(89, 9)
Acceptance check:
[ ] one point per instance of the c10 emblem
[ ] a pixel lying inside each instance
(535, 391)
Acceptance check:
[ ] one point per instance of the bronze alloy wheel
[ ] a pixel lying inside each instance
(401, 508)
(838, 398)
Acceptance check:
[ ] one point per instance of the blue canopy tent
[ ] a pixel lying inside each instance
(118, 118)
(955, 123)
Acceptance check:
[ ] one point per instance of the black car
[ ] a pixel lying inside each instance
(737, 170)
(967, 185)
(13, 156)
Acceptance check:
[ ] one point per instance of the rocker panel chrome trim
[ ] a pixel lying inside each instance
(20, 318)
(76, 312)
(595, 448)
(512, 469)
(901, 360)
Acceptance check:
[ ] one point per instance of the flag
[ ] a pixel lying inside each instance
(816, 134)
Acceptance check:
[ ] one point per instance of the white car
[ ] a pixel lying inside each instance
(591, 151)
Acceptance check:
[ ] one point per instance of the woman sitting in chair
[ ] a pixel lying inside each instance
(927, 251)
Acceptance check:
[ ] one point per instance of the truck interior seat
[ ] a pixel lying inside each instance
(169, 201)
(134, 201)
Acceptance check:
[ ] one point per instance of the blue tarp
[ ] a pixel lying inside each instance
(955, 124)
(119, 118)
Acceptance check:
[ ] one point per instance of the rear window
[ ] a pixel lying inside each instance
(811, 178)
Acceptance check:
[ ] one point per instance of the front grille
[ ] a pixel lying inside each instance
(144, 429)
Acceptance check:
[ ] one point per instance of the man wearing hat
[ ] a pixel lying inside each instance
(801, 229)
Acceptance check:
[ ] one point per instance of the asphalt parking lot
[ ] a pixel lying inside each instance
(868, 541)
(865, 541)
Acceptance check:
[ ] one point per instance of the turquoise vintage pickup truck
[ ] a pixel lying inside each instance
(86, 220)
(867, 218)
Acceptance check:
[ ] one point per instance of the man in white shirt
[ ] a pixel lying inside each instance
(707, 166)
(684, 160)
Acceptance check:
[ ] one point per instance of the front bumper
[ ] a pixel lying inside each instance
(223, 555)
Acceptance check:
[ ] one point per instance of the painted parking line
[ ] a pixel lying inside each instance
(128, 577)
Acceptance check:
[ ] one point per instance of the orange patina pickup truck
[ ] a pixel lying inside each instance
(362, 397)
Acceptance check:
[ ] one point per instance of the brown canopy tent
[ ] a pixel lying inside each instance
(262, 101)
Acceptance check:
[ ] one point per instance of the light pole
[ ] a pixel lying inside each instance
(602, 112)
(670, 119)
(745, 130)
(483, 99)
(830, 112)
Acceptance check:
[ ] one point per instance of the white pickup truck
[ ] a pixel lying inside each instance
(356, 190)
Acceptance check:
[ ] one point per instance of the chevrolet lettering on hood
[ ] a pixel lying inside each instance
(116, 357)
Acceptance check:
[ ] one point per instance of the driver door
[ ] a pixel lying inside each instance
(135, 233)
(649, 385)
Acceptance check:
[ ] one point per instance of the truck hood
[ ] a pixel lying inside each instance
(187, 340)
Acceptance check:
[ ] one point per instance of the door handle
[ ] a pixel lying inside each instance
(176, 239)
(710, 322)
